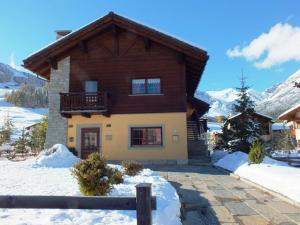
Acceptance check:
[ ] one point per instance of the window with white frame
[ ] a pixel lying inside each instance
(146, 86)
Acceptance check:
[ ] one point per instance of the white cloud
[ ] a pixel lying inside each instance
(281, 44)
(12, 61)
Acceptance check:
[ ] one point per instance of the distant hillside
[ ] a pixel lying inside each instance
(10, 77)
(272, 101)
(11, 80)
(283, 97)
(221, 102)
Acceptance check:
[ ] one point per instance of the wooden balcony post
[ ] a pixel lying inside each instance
(143, 204)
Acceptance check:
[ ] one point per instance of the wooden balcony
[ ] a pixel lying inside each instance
(83, 103)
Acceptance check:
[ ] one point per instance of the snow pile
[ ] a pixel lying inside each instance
(285, 153)
(271, 174)
(21, 178)
(216, 155)
(56, 156)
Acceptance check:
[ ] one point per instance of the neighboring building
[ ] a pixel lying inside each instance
(292, 117)
(31, 127)
(279, 128)
(123, 89)
(265, 121)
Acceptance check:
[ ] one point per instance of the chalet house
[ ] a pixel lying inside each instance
(123, 89)
(265, 121)
(292, 117)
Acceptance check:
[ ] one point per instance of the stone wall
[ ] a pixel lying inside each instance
(58, 125)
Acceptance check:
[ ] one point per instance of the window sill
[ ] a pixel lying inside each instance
(137, 147)
(146, 94)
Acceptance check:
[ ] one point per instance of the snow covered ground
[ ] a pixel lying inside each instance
(31, 177)
(271, 174)
(22, 117)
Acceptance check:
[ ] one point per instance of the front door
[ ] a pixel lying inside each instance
(90, 141)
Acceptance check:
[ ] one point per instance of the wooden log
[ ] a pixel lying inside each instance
(143, 204)
(69, 202)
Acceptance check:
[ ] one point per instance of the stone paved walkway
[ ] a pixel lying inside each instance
(210, 196)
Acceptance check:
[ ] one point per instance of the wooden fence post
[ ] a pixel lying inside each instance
(143, 204)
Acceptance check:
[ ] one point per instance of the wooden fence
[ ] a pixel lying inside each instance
(144, 203)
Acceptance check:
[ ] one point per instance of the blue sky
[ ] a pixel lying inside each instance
(223, 28)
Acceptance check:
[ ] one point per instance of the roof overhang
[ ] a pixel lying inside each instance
(41, 61)
(290, 114)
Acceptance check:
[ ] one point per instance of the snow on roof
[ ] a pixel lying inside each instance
(289, 110)
(279, 126)
(136, 21)
(254, 113)
(214, 127)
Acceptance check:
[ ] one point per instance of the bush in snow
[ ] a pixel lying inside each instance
(257, 153)
(94, 176)
(117, 177)
(132, 168)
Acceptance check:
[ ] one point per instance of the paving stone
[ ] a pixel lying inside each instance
(253, 220)
(239, 208)
(223, 214)
(222, 193)
(213, 197)
(284, 207)
(260, 195)
(268, 212)
(193, 218)
(294, 216)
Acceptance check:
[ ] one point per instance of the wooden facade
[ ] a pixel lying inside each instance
(94, 73)
(115, 61)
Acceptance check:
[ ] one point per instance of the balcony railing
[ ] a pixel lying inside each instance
(81, 102)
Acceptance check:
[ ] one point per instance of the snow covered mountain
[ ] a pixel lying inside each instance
(273, 101)
(283, 97)
(221, 102)
(12, 79)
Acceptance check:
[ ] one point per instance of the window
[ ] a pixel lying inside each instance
(146, 86)
(150, 136)
(91, 86)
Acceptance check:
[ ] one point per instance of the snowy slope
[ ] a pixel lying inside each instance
(273, 101)
(12, 79)
(221, 102)
(283, 97)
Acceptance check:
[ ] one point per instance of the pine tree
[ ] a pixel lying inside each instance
(37, 137)
(22, 142)
(6, 130)
(240, 132)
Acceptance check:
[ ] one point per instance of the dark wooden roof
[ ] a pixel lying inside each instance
(194, 57)
(201, 106)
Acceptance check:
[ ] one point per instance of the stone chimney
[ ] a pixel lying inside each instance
(61, 33)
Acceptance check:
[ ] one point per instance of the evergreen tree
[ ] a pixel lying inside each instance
(22, 142)
(6, 130)
(37, 137)
(241, 131)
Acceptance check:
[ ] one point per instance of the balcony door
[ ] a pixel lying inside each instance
(90, 141)
(91, 86)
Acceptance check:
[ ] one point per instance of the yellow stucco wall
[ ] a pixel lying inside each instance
(117, 126)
